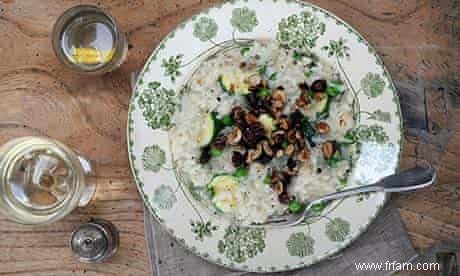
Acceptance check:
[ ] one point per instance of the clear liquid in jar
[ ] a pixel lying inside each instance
(89, 41)
(40, 180)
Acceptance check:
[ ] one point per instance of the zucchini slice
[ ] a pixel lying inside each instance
(234, 84)
(207, 130)
(224, 188)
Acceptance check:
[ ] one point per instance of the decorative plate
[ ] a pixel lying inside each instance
(293, 24)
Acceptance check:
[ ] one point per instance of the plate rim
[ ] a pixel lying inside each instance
(130, 145)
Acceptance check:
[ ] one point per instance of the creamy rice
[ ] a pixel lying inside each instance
(257, 200)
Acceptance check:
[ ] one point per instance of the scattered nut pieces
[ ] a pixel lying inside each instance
(250, 118)
(328, 149)
(279, 95)
(304, 155)
(289, 151)
(302, 101)
(266, 147)
(253, 154)
(234, 137)
(284, 123)
(278, 187)
(323, 127)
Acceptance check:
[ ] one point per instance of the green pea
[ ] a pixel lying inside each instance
(227, 120)
(241, 172)
(295, 206)
(268, 180)
(216, 152)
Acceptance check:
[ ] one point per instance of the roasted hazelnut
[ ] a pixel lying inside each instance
(304, 155)
(291, 137)
(277, 104)
(219, 142)
(290, 149)
(250, 118)
(328, 149)
(278, 187)
(302, 101)
(299, 135)
(253, 154)
(323, 127)
(238, 159)
(319, 96)
(283, 122)
(234, 137)
(238, 114)
(253, 134)
(266, 148)
(278, 136)
(319, 86)
(279, 95)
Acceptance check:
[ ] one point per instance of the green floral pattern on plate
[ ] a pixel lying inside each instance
(300, 32)
(164, 197)
(337, 229)
(202, 229)
(372, 85)
(337, 48)
(242, 243)
(373, 133)
(300, 245)
(153, 158)
(244, 19)
(380, 115)
(205, 29)
(231, 246)
(158, 104)
(171, 66)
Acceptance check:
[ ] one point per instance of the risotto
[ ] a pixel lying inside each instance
(262, 129)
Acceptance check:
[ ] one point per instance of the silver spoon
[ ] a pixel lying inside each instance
(412, 179)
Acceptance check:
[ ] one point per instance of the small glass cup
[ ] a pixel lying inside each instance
(88, 40)
(42, 180)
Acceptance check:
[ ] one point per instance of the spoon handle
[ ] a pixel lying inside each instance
(411, 179)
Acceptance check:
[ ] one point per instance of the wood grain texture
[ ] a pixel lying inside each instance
(419, 41)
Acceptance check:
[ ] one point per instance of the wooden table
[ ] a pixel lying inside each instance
(418, 40)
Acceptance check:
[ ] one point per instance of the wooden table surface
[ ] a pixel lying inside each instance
(419, 41)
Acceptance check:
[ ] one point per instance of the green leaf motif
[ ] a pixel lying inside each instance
(205, 29)
(164, 197)
(337, 48)
(373, 133)
(244, 19)
(202, 230)
(153, 158)
(241, 243)
(372, 85)
(300, 32)
(300, 245)
(337, 229)
(158, 105)
(380, 115)
(171, 67)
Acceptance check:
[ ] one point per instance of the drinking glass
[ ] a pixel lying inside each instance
(42, 180)
(88, 40)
